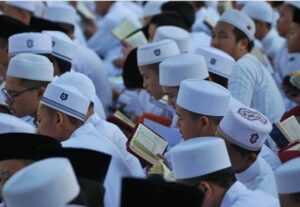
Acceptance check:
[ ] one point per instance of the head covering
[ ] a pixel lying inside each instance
(161, 193)
(23, 145)
(295, 4)
(47, 183)
(217, 61)
(203, 97)
(32, 42)
(39, 25)
(24, 5)
(179, 35)
(286, 177)
(61, 13)
(96, 162)
(198, 157)
(295, 79)
(66, 99)
(152, 8)
(259, 10)
(239, 20)
(31, 67)
(156, 52)
(9, 123)
(12, 26)
(245, 127)
(181, 67)
(63, 46)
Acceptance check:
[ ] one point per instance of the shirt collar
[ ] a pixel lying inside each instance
(233, 193)
(250, 173)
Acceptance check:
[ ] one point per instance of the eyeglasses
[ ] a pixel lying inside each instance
(14, 94)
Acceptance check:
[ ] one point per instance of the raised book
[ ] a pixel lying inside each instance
(137, 39)
(125, 28)
(146, 144)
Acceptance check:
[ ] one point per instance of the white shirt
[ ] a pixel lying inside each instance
(87, 137)
(239, 196)
(270, 157)
(198, 39)
(117, 137)
(259, 176)
(252, 84)
(272, 43)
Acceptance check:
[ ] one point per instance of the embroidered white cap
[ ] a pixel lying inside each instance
(239, 20)
(203, 97)
(180, 67)
(198, 157)
(217, 61)
(259, 10)
(63, 46)
(61, 14)
(25, 5)
(66, 99)
(32, 42)
(9, 123)
(156, 52)
(287, 177)
(48, 183)
(31, 67)
(245, 127)
(179, 35)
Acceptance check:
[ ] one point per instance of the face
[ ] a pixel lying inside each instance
(172, 93)
(291, 95)
(3, 61)
(102, 7)
(294, 38)
(285, 19)
(46, 122)
(151, 81)
(224, 39)
(151, 31)
(24, 103)
(288, 201)
(12, 12)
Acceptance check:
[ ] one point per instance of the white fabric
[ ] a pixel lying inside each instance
(252, 85)
(199, 157)
(9, 123)
(152, 8)
(294, 3)
(50, 177)
(261, 11)
(272, 43)
(60, 13)
(88, 137)
(31, 42)
(180, 67)
(198, 39)
(217, 61)
(259, 176)
(270, 157)
(24, 5)
(31, 67)
(156, 52)
(239, 196)
(203, 97)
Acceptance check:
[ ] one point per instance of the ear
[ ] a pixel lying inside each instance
(249, 159)
(205, 123)
(41, 91)
(242, 44)
(59, 119)
(206, 188)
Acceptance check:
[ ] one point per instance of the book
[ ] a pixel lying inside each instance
(137, 39)
(146, 144)
(125, 28)
(209, 21)
(289, 152)
(286, 132)
(123, 122)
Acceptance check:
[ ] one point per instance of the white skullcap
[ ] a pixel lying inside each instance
(31, 67)
(180, 67)
(61, 14)
(25, 5)
(245, 127)
(287, 177)
(152, 8)
(48, 183)
(63, 46)
(66, 99)
(259, 10)
(156, 52)
(203, 97)
(199, 156)
(179, 35)
(9, 124)
(294, 3)
(32, 42)
(217, 61)
(239, 20)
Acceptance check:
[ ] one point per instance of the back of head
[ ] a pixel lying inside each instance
(168, 18)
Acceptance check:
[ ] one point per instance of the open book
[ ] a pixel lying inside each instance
(125, 28)
(286, 132)
(137, 39)
(289, 152)
(123, 122)
(146, 145)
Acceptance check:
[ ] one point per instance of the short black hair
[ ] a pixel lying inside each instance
(242, 151)
(239, 35)
(295, 197)
(293, 89)
(215, 119)
(168, 18)
(33, 83)
(64, 66)
(219, 79)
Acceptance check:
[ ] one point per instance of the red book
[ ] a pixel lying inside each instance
(289, 152)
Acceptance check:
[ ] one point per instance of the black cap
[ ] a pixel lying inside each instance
(39, 25)
(296, 16)
(88, 164)
(10, 26)
(159, 194)
(24, 145)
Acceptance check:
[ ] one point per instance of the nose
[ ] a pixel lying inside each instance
(214, 42)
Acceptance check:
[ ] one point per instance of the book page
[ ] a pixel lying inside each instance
(125, 119)
(125, 28)
(291, 128)
(147, 144)
(295, 147)
(138, 39)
